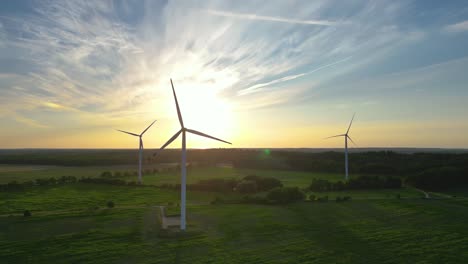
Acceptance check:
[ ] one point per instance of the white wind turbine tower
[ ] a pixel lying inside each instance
(183, 130)
(346, 137)
(140, 147)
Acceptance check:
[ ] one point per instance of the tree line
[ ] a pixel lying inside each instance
(357, 183)
(424, 170)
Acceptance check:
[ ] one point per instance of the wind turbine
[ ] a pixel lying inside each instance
(346, 136)
(183, 173)
(140, 147)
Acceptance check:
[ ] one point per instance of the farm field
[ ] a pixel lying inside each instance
(71, 223)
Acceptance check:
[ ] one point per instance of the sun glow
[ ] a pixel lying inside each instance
(204, 110)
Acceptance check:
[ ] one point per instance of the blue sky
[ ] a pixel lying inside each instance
(258, 73)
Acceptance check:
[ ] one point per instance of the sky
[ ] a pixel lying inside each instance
(256, 73)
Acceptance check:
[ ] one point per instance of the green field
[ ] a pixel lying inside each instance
(71, 224)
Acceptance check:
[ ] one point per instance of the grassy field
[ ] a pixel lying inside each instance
(72, 224)
(66, 227)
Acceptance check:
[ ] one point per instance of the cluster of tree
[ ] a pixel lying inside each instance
(119, 174)
(361, 182)
(439, 178)
(15, 186)
(54, 181)
(340, 199)
(108, 181)
(214, 185)
(285, 195)
(277, 195)
(248, 184)
(110, 204)
(11, 186)
(263, 183)
(253, 184)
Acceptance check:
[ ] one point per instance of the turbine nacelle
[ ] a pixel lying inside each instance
(346, 135)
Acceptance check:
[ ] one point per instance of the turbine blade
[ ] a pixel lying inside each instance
(352, 140)
(147, 128)
(141, 143)
(171, 139)
(133, 134)
(350, 123)
(177, 105)
(205, 135)
(341, 135)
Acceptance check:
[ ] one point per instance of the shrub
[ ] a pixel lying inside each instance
(264, 183)
(342, 199)
(246, 187)
(106, 174)
(362, 182)
(102, 181)
(132, 183)
(215, 185)
(285, 195)
(26, 213)
(110, 204)
(12, 186)
(323, 199)
(66, 179)
(312, 197)
(217, 200)
(44, 182)
(439, 178)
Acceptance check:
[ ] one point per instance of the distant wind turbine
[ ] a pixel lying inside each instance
(183, 130)
(140, 147)
(346, 136)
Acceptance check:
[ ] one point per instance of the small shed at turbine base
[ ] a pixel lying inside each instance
(168, 221)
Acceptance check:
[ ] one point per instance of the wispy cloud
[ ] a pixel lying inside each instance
(93, 60)
(257, 87)
(269, 18)
(29, 122)
(457, 27)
